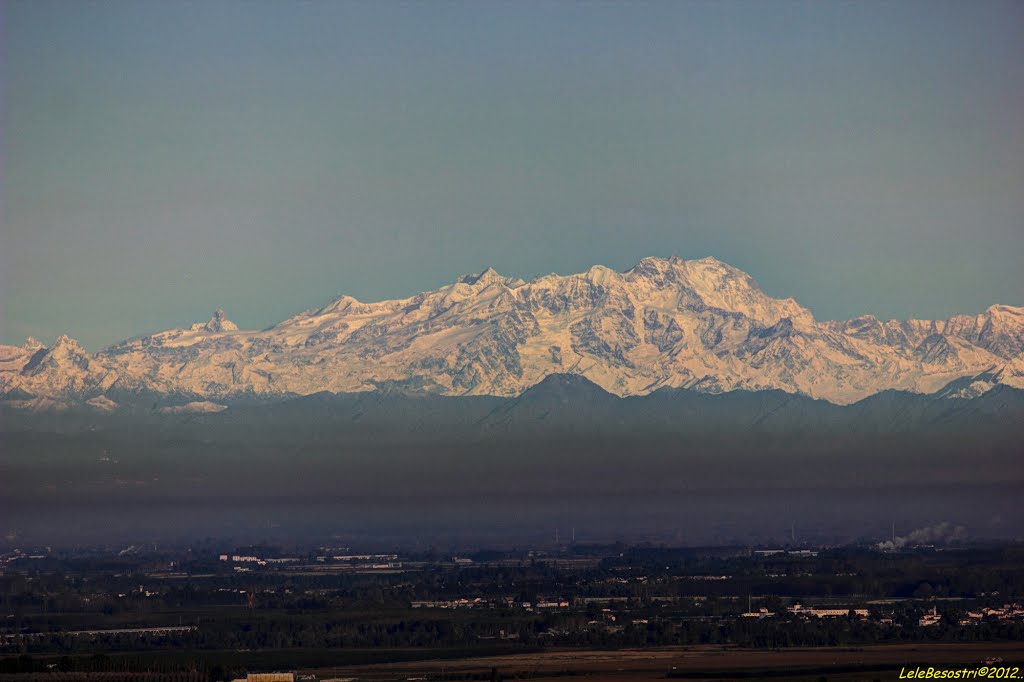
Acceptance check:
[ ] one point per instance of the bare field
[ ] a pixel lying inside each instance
(695, 663)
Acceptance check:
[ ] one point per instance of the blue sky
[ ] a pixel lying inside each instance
(160, 159)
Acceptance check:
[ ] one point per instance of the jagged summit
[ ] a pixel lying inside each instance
(486, 276)
(67, 348)
(65, 341)
(666, 323)
(220, 323)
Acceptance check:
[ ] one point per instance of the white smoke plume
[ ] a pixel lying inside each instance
(940, 534)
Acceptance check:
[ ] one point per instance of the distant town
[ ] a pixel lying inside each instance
(226, 613)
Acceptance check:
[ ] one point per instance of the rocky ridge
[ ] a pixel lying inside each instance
(702, 325)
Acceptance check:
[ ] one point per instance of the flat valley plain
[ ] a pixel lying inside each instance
(697, 663)
(212, 611)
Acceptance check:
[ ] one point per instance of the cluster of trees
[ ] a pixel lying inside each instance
(100, 667)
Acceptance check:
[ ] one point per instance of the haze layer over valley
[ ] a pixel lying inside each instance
(621, 402)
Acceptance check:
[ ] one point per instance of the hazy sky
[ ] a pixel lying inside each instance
(160, 159)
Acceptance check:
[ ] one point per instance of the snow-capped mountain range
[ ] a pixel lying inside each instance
(699, 324)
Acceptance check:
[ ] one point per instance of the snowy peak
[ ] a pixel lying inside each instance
(968, 388)
(710, 283)
(713, 275)
(65, 352)
(66, 344)
(341, 304)
(64, 369)
(487, 276)
(1003, 331)
(1009, 312)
